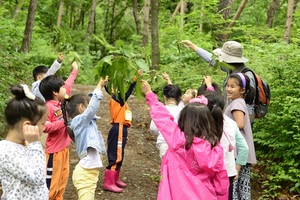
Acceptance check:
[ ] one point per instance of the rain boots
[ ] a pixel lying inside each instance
(120, 183)
(110, 181)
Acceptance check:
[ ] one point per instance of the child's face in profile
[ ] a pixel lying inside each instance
(188, 95)
(62, 93)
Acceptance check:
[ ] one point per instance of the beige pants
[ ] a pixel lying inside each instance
(85, 182)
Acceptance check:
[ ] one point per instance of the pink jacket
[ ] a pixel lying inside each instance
(58, 138)
(198, 173)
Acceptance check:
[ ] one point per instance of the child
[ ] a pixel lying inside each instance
(231, 53)
(23, 162)
(54, 89)
(193, 166)
(171, 95)
(120, 118)
(88, 140)
(230, 139)
(239, 91)
(188, 95)
(41, 71)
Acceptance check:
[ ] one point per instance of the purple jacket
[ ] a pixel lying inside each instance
(197, 173)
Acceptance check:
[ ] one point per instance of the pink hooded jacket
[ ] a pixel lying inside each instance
(197, 173)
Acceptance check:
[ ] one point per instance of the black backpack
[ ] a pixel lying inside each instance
(262, 95)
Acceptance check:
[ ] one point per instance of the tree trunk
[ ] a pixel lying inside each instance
(136, 18)
(92, 17)
(146, 23)
(17, 9)
(218, 30)
(236, 17)
(271, 12)
(60, 13)
(155, 34)
(182, 8)
(289, 20)
(29, 26)
(201, 16)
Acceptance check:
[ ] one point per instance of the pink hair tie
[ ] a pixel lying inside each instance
(199, 99)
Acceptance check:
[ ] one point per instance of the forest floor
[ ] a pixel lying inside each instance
(141, 162)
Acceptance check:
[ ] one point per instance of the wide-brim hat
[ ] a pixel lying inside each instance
(231, 52)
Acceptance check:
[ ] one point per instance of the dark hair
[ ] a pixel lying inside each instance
(249, 91)
(195, 120)
(172, 91)
(216, 105)
(20, 107)
(41, 69)
(49, 85)
(202, 89)
(70, 110)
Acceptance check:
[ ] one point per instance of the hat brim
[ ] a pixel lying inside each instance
(229, 59)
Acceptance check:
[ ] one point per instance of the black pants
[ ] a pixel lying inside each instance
(116, 142)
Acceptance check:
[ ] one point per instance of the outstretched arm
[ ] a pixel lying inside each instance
(205, 55)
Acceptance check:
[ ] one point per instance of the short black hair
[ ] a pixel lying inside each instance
(41, 69)
(49, 85)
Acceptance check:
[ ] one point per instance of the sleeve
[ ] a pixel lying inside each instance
(69, 82)
(164, 122)
(238, 104)
(54, 68)
(54, 126)
(221, 184)
(251, 78)
(92, 108)
(205, 55)
(30, 168)
(153, 128)
(242, 148)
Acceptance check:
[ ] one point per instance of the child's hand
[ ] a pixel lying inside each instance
(186, 42)
(31, 133)
(102, 82)
(207, 80)
(60, 57)
(74, 65)
(140, 72)
(145, 87)
(167, 78)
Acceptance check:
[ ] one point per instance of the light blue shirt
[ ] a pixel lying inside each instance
(85, 128)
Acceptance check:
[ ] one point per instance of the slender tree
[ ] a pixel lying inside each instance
(17, 9)
(146, 22)
(29, 26)
(236, 16)
(271, 12)
(92, 17)
(60, 13)
(289, 21)
(154, 34)
(136, 18)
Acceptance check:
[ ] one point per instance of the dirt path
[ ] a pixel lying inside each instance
(141, 163)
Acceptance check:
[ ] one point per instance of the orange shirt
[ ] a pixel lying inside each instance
(117, 112)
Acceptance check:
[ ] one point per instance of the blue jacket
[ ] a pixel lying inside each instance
(85, 128)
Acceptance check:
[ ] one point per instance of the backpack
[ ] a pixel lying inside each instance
(262, 95)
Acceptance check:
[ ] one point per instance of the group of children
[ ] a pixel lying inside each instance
(208, 146)
(205, 143)
(30, 172)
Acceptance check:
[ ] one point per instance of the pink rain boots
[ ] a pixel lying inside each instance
(110, 181)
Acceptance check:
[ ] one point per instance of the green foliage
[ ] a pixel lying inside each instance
(121, 65)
